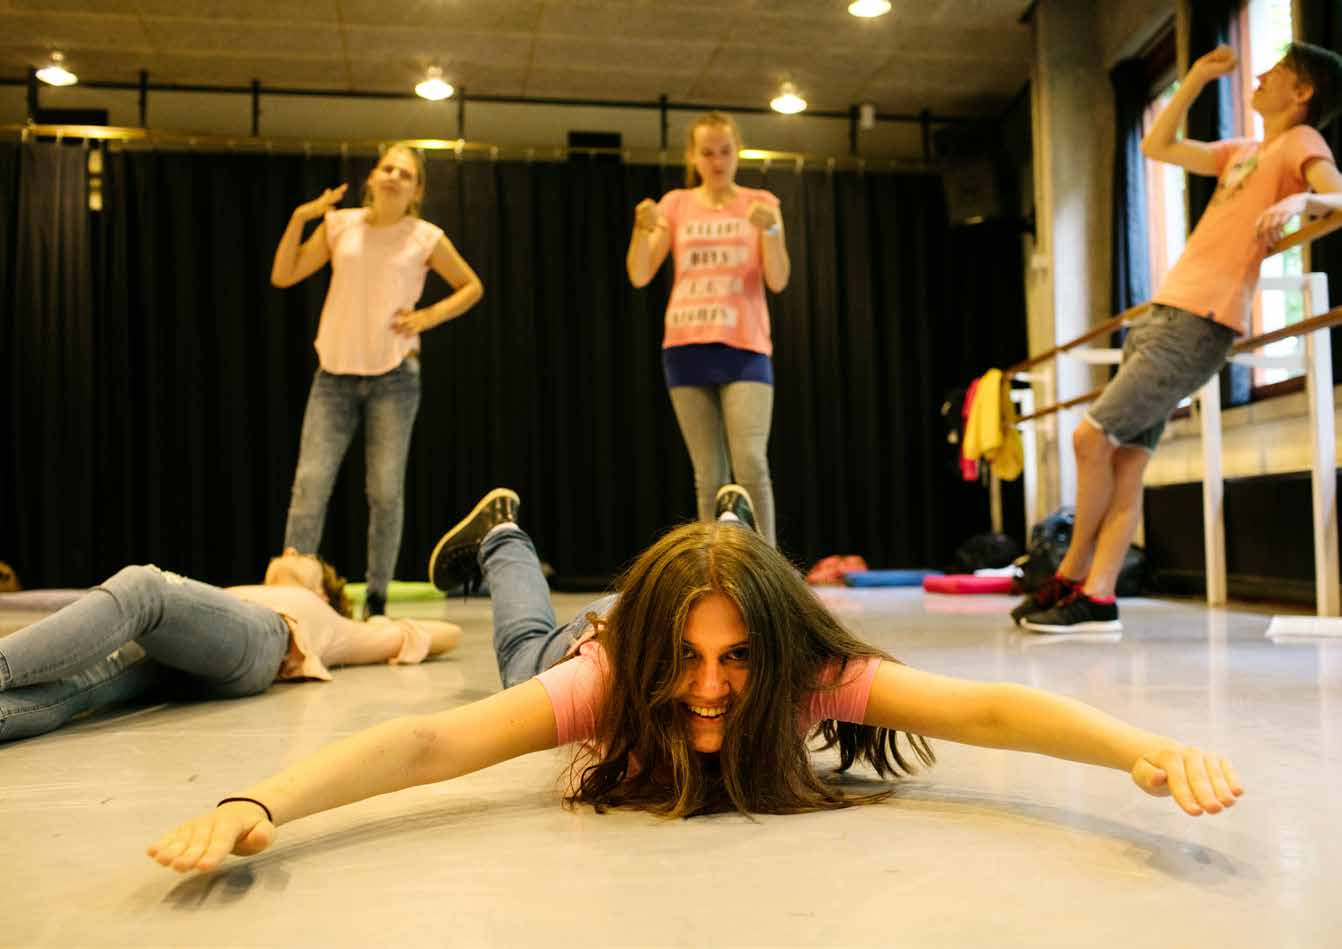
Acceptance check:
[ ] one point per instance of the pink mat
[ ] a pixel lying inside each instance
(966, 583)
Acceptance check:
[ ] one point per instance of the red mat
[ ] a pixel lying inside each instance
(966, 583)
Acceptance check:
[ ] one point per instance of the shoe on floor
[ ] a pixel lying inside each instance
(735, 500)
(1076, 614)
(453, 561)
(1050, 593)
(374, 604)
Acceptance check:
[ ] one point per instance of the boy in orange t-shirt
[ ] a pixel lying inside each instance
(1199, 310)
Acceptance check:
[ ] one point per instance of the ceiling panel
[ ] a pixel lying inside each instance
(937, 54)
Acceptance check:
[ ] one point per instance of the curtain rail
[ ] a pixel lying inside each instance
(150, 138)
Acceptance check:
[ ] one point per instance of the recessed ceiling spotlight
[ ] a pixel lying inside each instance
(56, 74)
(787, 101)
(434, 87)
(869, 8)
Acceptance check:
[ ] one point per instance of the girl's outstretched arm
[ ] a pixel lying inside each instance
(401, 753)
(1014, 717)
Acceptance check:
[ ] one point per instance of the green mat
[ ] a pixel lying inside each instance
(399, 592)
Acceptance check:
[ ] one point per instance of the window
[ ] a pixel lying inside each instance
(1265, 30)
(1166, 201)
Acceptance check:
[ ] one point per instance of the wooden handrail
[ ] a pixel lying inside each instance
(1108, 326)
(1321, 322)
(1310, 232)
(1059, 406)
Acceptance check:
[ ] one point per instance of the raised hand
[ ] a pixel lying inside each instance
(1197, 780)
(1215, 64)
(762, 215)
(238, 827)
(647, 216)
(320, 205)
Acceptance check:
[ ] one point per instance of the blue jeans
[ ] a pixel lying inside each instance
(389, 402)
(143, 629)
(527, 638)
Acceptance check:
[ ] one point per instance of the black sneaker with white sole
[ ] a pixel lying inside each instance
(735, 500)
(1076, 614)
(453, 561)
(1050, 593)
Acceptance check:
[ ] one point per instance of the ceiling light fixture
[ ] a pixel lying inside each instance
(869, 8)
(56, 74)
(787, 101)
(434, 87)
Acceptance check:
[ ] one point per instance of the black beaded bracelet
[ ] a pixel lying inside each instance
(249, 800)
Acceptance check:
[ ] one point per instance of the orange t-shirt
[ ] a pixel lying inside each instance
(1217, 273)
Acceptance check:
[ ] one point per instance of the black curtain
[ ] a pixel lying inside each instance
(1321, 24)
(1212, 117)
(184, 373)
(1131, 261)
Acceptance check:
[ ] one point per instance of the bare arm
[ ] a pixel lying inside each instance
(295, 261)
(1326, 183)
(452, 267)
(648, 245)
(380, 641)
(1162, 142)
(774, 259)
(1013, 717)
(401, 753)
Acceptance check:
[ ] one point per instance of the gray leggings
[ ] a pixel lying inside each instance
(726, 429)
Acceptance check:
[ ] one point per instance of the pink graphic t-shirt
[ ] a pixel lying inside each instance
(375, 273)
(1217, 273)
(718, 294)
(577, 687)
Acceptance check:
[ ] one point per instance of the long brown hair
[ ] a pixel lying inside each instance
(708, 120)
(642, 756)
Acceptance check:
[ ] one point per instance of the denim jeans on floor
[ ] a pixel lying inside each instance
(726, 429)
(527, 639)
(389, 403)
(203, 641)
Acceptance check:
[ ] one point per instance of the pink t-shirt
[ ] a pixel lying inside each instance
(1217, 273)
(718, 295)
(375, 273)
(578, 686)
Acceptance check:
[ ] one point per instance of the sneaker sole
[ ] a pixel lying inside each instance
(1094, 626)
(736, 488)
(475, 512)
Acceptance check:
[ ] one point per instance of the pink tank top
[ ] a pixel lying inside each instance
(375, 273)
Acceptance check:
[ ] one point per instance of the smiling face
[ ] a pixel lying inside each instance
(713, 153)
(395, 182)
(714, 662)
(1280, 91)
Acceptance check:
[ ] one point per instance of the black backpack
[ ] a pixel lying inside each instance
(1048, 545)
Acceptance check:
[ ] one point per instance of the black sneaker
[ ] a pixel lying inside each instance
(1076, 614)
(453, 561)
(374, 604)
(1050, 593)
(735, 500)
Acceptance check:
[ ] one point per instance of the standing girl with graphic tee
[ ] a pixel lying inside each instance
(728, 245)
(368, 346)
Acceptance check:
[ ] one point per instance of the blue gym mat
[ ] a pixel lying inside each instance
(888, 578)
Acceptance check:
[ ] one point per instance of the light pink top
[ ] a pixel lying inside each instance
(1217, 273)
(577, 688)
(375, 273)
(321, 637)
(718, 294)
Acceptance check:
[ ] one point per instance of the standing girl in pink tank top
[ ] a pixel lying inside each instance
(368, 346)
(728, 246)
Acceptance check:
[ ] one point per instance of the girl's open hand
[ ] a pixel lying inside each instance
(1197, 780)
(238, 827)
(318, 206)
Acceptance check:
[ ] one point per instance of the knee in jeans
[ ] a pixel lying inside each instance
(136, 575)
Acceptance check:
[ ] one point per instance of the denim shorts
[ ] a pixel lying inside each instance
(1168, 355)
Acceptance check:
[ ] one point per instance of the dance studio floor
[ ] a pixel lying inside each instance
(988, 849)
